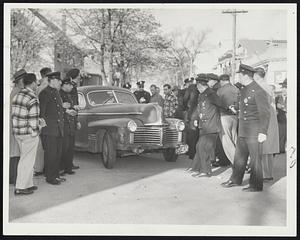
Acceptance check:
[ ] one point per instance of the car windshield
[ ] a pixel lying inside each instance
(101, 97)
(126, 98)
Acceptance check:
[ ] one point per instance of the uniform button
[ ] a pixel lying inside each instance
(245, 112)
(246, 104)
(55, 98)
(245, 118)
(58, 120)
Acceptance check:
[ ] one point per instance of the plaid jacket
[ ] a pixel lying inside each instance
(25, 112)
(170, 105)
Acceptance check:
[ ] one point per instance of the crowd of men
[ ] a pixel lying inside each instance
(43, 125)
(241, 125)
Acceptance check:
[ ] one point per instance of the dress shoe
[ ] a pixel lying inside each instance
(33, 188)
(53, 182)
(60, 179)
(69, 172)
(268, 179)
(23, 191)
(38, 174)
(75, 167)
(216, 164)
(230, 184)
(198, 175)
(251, 189)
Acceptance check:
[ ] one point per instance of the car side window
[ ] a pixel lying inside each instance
(101, 97)
(81, 101)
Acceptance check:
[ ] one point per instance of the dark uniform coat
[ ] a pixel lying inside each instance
(139, 94)
(69, 121)
(254, 115)
(52, 112)
(74, 94)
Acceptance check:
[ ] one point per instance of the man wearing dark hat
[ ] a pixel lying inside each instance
(141, 95)
(25, 126)
(74, 75)
(213, 81)
(254, 116)
(127, 86)
(70, 120)
(13, 146)
(207, 119)
(281, 106)
(228, 136)
(190, 101)
(52, 112)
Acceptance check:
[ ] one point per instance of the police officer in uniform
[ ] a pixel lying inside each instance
(51, 110)
(69, 127)
(254, 116)
(141, 95)
(74, 75)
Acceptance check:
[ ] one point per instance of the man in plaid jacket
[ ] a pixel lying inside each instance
(25, 126)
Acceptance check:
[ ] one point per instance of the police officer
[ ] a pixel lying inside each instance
(51, 110)
(74, 75)
(141, 95)
(254, 116)
(69, 127)
(207, 118)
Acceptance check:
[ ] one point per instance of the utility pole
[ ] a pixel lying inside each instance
(234, 14)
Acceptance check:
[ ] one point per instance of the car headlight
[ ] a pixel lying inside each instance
(180, 126)
(131, 125)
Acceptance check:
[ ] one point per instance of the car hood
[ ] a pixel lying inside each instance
(148, 114)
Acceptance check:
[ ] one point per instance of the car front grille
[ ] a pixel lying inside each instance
(156, 136)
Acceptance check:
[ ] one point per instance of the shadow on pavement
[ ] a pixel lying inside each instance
(92, 177)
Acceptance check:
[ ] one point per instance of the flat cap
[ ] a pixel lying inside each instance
(201, 77)
(243, 68)
(73, 73)
(224, 77)
(212, 76)
(66, 80)
(53, 75)
(19, 74)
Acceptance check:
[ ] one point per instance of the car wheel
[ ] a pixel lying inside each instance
(109, 153)
(170, 155)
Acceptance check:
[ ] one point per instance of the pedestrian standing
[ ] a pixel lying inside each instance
(156, 97)
(281, 106)
(39, 160)
(271, 145)
(74, 75)
(69, 127)
(254, 117)
(170, 102)
(141, 95)
(207, 117)
(228, 136)
(52, 135)
(190, 101)
(25, 120)
(14, 150)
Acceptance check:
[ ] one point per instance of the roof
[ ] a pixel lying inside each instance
(98, 87)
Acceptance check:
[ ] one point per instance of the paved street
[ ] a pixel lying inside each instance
(148, 190)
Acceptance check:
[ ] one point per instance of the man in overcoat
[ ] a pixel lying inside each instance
(254, 116)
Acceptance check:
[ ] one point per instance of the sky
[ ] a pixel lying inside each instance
(256, 24)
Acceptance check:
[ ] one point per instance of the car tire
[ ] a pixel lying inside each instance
(109, 153)
(170, 154)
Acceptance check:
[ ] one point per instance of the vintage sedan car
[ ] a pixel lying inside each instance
(115, 124)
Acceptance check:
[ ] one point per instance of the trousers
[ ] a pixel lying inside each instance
(52, 155)
(244, 148)
(228, 135)
(39, 160)
(28, 146)
(204, 151)
(67, 153)
(267, 165)
(191, 140)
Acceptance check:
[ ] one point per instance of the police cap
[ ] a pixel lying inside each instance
(52, 75)
(66, 81)
(73, 73)
(201, 78)
(140, 83)
(212, 76)
(243, 68)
